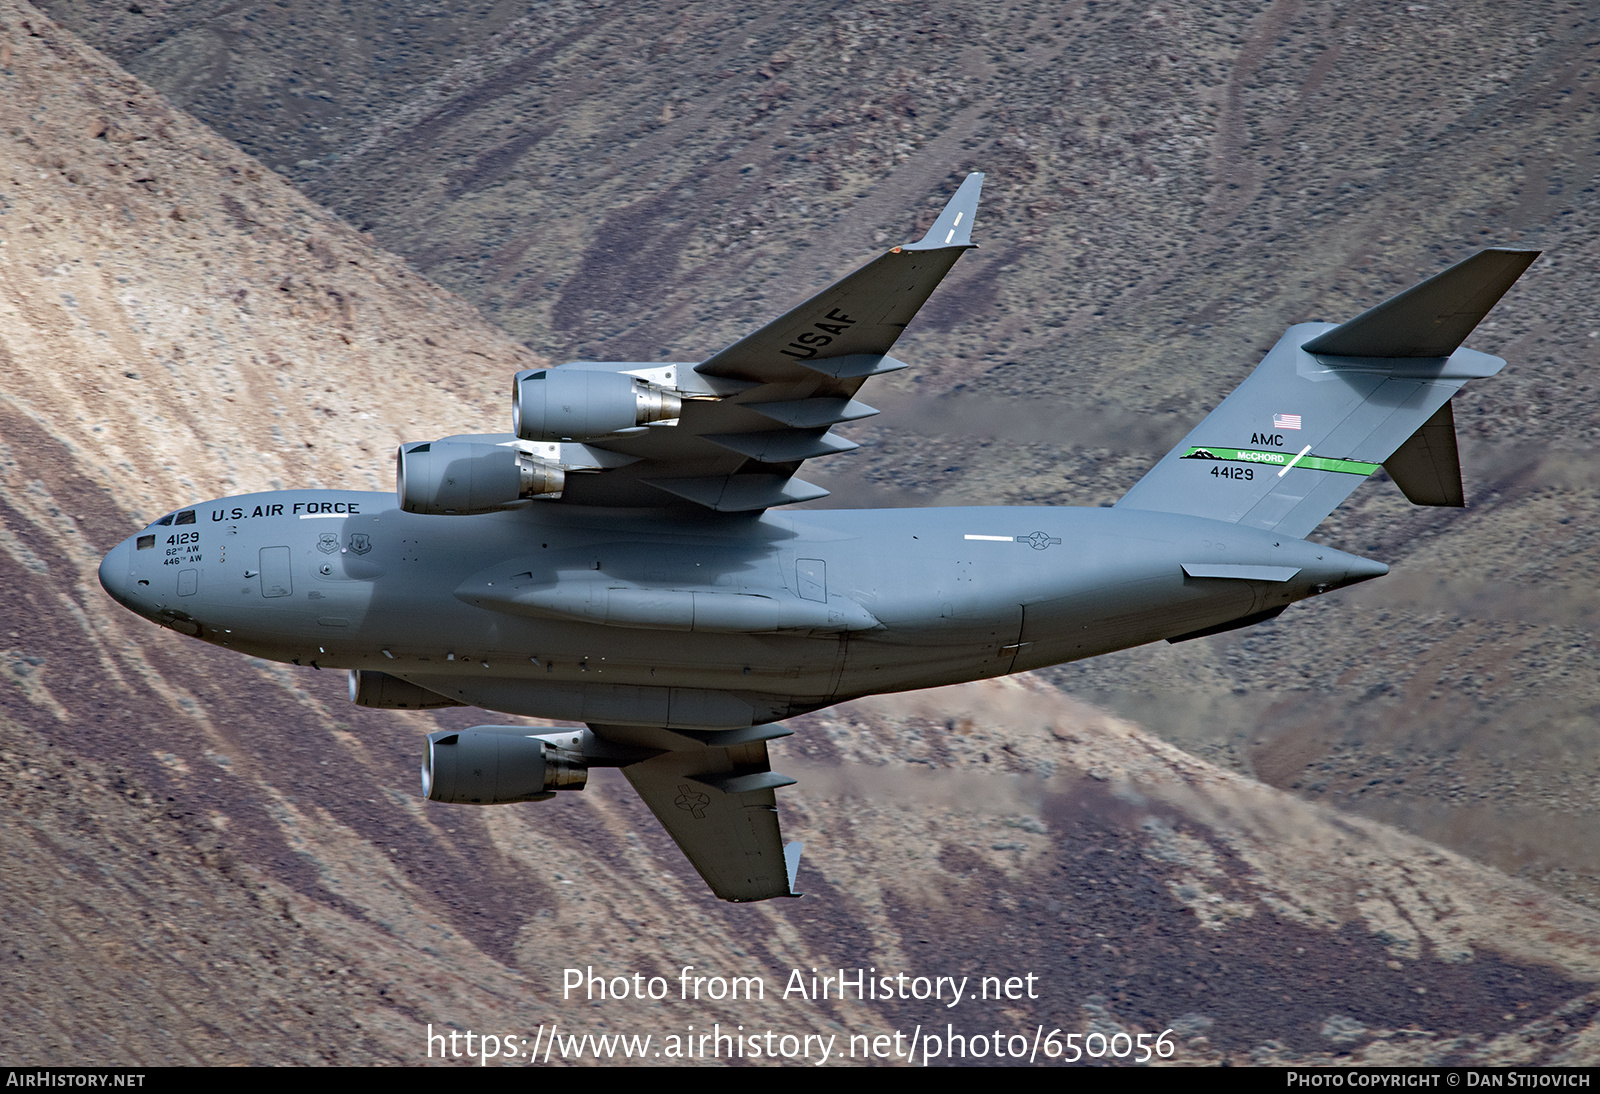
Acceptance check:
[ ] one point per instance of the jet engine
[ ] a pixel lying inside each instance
(464, 478)
(493, 766)
(558, 404)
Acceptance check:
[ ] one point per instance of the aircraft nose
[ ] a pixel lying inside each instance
(115, 577)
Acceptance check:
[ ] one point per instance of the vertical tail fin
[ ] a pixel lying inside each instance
(1331, 404)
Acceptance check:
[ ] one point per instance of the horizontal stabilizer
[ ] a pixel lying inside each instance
(1431, 319)
(1427, 468)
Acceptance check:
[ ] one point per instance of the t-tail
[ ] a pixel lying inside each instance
(1331, 404)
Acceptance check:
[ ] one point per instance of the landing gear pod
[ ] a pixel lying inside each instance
(557, 404)
(385, 692)
(460, 478)
(494, 765)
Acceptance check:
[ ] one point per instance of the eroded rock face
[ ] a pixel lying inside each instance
(217, 860)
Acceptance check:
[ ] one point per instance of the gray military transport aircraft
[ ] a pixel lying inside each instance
(619, 559)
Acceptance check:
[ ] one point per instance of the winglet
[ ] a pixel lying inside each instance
(791, 860)
(954, 226)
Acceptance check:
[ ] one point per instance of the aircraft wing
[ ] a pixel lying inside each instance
(759, 408)
(717, 804)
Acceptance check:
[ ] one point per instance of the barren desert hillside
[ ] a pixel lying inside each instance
(217, 860)
(1170, 186)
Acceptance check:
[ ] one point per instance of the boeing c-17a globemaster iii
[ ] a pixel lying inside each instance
(623, 559)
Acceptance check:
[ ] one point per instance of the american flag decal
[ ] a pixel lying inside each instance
(1286, 421)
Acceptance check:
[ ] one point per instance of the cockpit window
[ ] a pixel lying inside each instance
(185, 517)
(165, 520)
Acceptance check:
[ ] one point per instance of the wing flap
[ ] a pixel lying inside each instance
(783, 445)
(743, 784)
(740, 493)
(857, 366)
(809, 413)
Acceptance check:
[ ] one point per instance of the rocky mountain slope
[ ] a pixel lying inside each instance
(1170, 185)
(218, 860)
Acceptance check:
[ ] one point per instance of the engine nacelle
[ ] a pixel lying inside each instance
(494, 765)
(463, 478)
(570, 404)
(385, 692)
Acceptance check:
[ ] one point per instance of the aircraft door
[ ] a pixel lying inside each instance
(276, 576)
(811, 579)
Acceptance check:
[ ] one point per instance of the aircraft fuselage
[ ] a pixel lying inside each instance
(709, 620)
